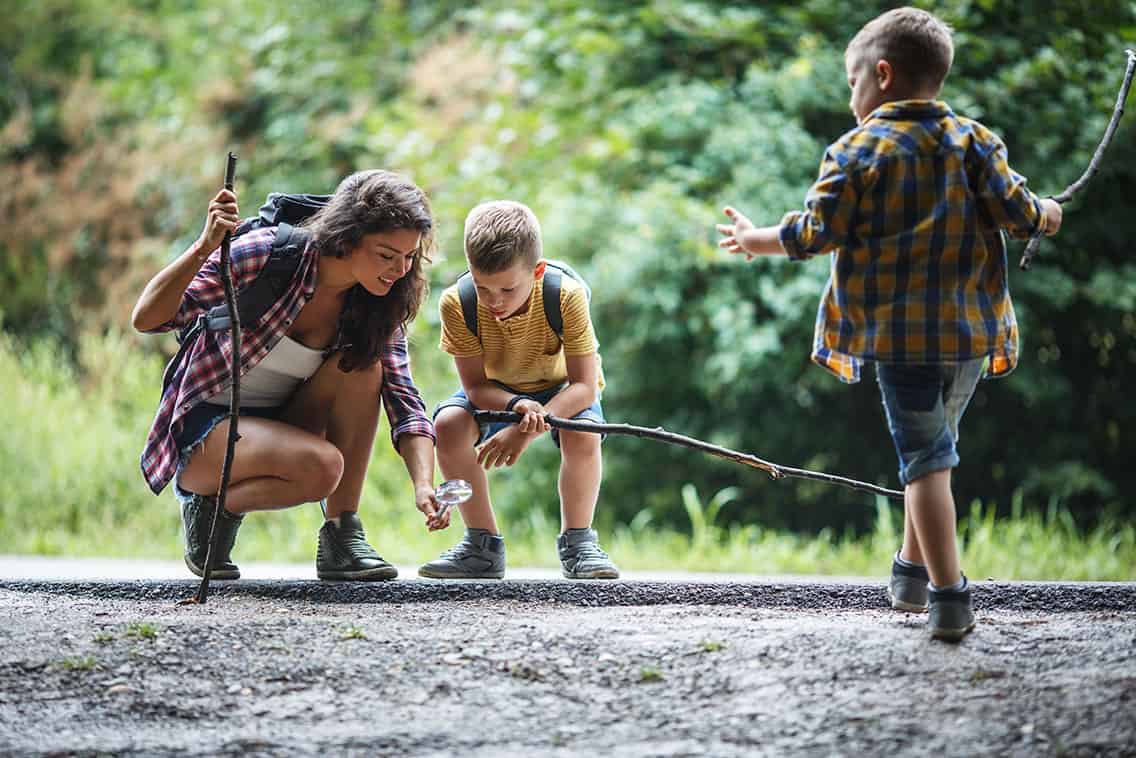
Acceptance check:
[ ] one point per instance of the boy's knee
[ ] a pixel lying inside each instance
(579, 444)
(455, 428)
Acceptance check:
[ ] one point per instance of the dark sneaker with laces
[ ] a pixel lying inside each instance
(197, 518)
(907, 589)
(480, 555)
(345, 555)
(951, 613)
(581, 556)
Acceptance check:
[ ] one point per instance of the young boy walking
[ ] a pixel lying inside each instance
(510, 357)
(911, 204)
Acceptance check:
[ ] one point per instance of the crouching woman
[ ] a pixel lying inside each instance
(315, 368)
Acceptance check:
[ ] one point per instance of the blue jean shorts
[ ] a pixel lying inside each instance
(460, 400)
(924, 404)
(196, 425)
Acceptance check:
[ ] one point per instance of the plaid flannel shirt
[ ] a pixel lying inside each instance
(911, 205)
(204, 370)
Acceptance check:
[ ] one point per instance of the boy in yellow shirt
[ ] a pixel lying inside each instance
(514, 359)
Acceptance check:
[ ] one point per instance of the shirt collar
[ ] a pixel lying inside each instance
(910, 110)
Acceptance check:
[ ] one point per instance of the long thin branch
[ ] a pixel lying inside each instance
(775, 470)
(235, 401)
(1095, 163)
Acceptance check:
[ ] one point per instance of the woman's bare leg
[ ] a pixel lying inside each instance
(320, 447)
(275, 465)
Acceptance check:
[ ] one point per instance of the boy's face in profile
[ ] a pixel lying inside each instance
(866, 82)
(506, 293)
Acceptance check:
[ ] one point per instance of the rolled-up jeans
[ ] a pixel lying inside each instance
(924, 404)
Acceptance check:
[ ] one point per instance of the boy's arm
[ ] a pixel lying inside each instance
(489, 396)
(1004, 194)
(583, 379)
(824, 224)
(743, 237)
(480, 391)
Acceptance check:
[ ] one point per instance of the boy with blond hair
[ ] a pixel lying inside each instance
(911, 204)
(516, 352)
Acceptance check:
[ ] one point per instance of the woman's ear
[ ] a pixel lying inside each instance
(538, 272)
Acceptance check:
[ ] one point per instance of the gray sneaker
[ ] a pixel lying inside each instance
(480, 555)
(952, 613)
(907, 589)
(581, 556)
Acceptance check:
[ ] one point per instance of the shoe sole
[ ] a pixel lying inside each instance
(383, 574)
(900, 605)
(218, 574)
(440, 575)
(951, 635)
(602, 574)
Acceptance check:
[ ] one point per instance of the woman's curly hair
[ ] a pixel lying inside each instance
(369, 202)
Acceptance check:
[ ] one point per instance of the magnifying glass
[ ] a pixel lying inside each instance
(452, 492)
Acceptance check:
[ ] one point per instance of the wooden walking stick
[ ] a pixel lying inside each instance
(1094, 164)
(775, 470)
(235, 401)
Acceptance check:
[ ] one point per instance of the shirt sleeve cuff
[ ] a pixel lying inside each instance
(420, 427)
(789, 243)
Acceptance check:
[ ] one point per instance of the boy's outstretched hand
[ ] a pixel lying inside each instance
(734, 234)
(743, 237)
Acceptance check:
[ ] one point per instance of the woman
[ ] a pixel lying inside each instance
(313, 371)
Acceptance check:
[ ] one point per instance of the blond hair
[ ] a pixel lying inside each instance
(916, 43)
(501, 233)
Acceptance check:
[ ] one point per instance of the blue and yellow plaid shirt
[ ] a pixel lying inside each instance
(911, 204)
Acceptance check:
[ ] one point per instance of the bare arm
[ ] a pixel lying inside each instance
(417, 453)
(480, 391)
(583, 376)
(161, 298)
(743, 237)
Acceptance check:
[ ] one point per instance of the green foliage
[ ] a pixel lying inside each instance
(626, 126)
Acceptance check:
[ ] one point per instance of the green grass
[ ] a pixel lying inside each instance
(69, 463)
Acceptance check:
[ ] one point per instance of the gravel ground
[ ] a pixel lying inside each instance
(523, 668)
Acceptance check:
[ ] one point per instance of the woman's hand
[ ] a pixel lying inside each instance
(503, 448)
(224, 216)
(426, 502)
(534, 413)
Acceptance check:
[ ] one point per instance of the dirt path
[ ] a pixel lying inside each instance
(556, 668)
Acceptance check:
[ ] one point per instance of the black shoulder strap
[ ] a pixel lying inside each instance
(553, 282)
(270, 284)
(467, 293)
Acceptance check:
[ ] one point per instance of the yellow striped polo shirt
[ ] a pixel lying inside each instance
(522, 351)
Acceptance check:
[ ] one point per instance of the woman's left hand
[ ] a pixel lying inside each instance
(428, 504)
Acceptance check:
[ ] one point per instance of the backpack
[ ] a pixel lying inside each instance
(282, 211)
(554, 272)
(253, 301)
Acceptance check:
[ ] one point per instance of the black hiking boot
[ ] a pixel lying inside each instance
(345, 555)
(197, 517)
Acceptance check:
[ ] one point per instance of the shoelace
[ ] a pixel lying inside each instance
(586, 552)
(357, 546)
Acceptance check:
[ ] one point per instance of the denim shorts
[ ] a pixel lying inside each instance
(923, 404)
(460, 400)
(196, 425)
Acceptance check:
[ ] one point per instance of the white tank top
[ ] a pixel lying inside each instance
(272, 381)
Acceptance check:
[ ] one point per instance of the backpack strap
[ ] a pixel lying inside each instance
(550, 290)
(467, 293)
(270, 284)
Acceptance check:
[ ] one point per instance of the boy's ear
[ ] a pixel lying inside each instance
(538, 272)
(885, 75)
